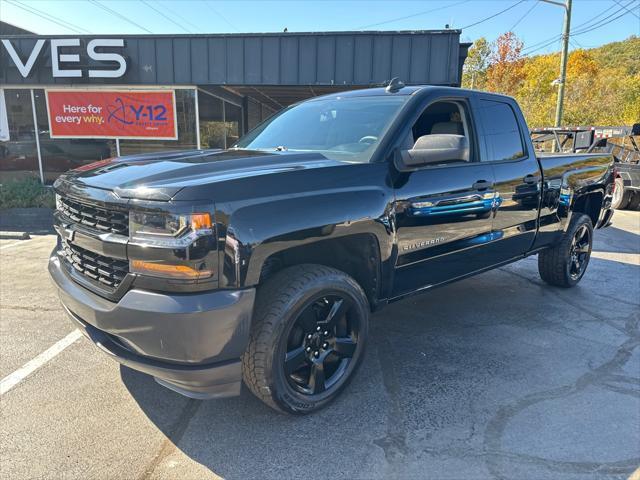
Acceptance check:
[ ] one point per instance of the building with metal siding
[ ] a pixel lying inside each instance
(222, 82)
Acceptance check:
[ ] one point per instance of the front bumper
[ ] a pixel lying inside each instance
(191, 343)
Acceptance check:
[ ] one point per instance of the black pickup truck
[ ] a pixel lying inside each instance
(263, 262)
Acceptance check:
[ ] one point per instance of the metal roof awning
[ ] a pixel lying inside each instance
(341, 60)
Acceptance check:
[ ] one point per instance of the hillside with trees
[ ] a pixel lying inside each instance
(603, 84)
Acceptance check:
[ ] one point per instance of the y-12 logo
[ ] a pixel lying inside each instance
(123, 113)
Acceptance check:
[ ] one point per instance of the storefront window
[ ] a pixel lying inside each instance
(233, 122)
(186, 115)
(19, 155)
(212, 128)
(62, 154)
(267, 112)
(253, 114)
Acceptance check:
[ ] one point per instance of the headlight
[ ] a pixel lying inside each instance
(182, 245)
(167, 230)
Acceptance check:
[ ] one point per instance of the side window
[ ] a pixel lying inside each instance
(501, 131)
(441, 119)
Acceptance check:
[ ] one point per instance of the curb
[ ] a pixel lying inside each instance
(18, 222)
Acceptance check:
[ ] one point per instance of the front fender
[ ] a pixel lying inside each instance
(257, 230)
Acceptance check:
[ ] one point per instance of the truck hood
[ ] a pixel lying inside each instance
(160, 176)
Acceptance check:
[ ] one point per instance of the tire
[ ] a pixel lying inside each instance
(634, 203)
(621, 197)
(564, 264)
(316, 316)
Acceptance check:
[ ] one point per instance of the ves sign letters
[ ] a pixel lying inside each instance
(59, 57)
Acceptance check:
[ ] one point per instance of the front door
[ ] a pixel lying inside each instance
(442, 212)
(517, 176)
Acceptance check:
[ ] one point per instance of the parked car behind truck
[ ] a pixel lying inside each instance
(263, 262)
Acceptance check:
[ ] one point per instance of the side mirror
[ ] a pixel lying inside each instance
(433, 149)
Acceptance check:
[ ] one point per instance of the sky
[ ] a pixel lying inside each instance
(538, 24)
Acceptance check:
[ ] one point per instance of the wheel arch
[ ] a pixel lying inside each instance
(590, 204)
(357, 255)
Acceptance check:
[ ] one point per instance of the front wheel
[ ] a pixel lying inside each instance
(307, 339)
(564, 264)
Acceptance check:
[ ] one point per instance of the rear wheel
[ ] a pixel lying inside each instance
(634, 203)
(621, 197)
(308, 337)
(564, 264)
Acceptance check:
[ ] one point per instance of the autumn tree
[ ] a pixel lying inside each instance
(603, 84)
(505, 72)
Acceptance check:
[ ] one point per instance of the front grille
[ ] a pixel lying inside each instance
(104, 270)
(95, 217)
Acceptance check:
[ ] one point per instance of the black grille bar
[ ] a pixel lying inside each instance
(98, 218)
(105, 270)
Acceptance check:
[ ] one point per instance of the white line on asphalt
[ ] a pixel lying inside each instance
(630, 258)
(5, 247)
(11, 380)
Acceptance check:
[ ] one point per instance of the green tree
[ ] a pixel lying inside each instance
(475, 66)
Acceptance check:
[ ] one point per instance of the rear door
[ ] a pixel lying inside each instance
(442, 212)
(518, 180)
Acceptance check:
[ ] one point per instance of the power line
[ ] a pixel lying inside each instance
(595, 26)
(555, 37)
(592, 20)
(177, 24)
(224, 19)
(492, 16)
(46, 16)
(118, 15)
(585, 26)
(412, 15)
(535, 4)
(554, 40)
(601, 25)
(630, 11)
(173, 12)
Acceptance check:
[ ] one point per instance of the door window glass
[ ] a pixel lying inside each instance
(501, 131)
(440, 118)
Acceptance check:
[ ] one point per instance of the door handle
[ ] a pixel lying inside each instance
(530, 179)
(481, 185)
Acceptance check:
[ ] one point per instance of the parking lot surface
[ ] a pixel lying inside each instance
(497, 376)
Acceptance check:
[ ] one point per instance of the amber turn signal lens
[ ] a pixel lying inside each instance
(165, 270)
(200, 221)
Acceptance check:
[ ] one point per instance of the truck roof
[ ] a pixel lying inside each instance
(406, 90)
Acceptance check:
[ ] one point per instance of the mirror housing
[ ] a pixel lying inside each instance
(433, 149)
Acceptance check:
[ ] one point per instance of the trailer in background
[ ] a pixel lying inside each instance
(622, 142)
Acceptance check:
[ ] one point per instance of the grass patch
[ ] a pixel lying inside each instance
(26, 193)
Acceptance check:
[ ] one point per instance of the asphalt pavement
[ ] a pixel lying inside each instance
(497, 376)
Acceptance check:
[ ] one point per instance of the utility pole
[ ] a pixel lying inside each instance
(566, 31)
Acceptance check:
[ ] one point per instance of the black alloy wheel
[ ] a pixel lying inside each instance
(579, 252)
(308, 337)
(564, 263)
(321, 344)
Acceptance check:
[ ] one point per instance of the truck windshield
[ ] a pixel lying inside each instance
(340, 128)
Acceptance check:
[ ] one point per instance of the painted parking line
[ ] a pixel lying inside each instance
(15, 244)
(630, 258)
(13, 379)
